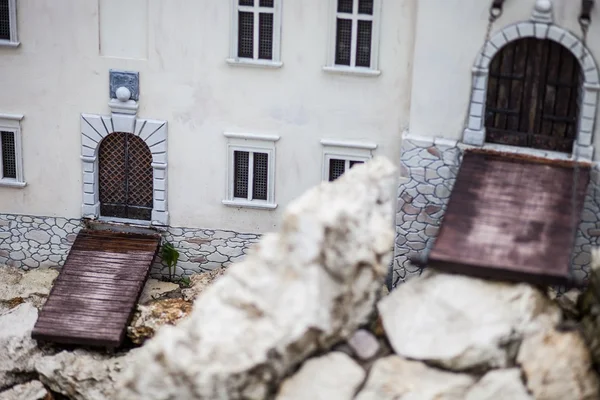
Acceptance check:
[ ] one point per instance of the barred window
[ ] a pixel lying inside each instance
(9, 155)
(250, 170)
(11, 171)
(354, 33)
(257, 33)
(8, 22)
(337, 167)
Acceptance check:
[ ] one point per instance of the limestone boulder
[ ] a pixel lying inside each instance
(18, 350)
(500, 384)
(81, 374)
(588, 307)
(394, 377)
(156, 289)
(199, 283)
(18, 286)
(149, 318)
(334, 376)
(298, 291)
(557, 366)
(461, 323)
(364, 344)
(33, 390)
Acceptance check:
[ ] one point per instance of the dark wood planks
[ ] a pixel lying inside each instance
(97, 289)
(510, 218)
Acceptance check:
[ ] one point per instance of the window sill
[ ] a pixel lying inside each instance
(338, 69)
(250, 204)
(8, 43)
(12, 183)
(247, 62)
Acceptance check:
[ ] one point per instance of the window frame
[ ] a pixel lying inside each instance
(12, 15)
(331, 66)
(344, 150)
(252, 143)
(255, 61)
(12, 123)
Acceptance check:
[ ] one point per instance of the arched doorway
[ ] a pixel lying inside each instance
(125, 177)
(533, 95)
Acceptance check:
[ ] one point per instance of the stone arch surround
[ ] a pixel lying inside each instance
(94, 128)
(474, 133)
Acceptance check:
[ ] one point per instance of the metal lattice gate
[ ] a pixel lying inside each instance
(125, 177)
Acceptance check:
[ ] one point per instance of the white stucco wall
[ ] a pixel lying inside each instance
(449, 35)
(57, 73)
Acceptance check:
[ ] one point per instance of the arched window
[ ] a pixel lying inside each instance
(125, 177)
(533, 95)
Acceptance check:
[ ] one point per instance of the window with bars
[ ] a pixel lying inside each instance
(251, 175)
(256, 31)
(340, 156)
(8, 23)
(337, 167)
(11, 172)
(533, 96)
(354, 42)
(251, 170)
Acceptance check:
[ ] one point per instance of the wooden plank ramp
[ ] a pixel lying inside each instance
(95, 294)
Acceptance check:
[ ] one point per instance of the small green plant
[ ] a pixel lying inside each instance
(170, 255)
(185, 282)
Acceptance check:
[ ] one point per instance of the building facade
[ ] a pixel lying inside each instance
(203, 119)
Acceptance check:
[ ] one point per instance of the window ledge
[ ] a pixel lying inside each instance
(339, 69)
(12, 183)
(247, 62)
(8, 43)
(250, 204)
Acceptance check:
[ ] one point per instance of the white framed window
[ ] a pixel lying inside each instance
(339, 156)
(250, 170)
(256, 33)
(354, 37)
(8, 23)
(11, 163)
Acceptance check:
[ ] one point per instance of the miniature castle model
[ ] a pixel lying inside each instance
(220, 112)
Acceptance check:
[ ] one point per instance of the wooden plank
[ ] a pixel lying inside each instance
(510, 217)
(97, 289)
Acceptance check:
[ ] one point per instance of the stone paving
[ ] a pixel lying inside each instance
(431, 166)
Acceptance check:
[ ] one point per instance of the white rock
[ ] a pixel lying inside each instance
(393, 378)
(199, 283)
(154, 289)
(501, 384)
(334, 376)
(459, 322)
(39, 236)
(297, 292)
(32, 285)
(558, 366)
(82, 375)
(18, 350)
(364, 344)
(33, 390)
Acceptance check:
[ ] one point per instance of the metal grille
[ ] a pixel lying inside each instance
(533, 93)
(265, 39)
(246, 2)
(343, 41)
(336, 168)
(9, 156)
(4, 20)
(246, 34)
(240, 172)
(365, 7)
(125, 177)
(345, 6)
(260, 181)
(363, 44)
(266, 3)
